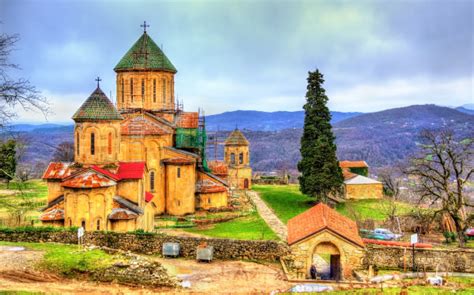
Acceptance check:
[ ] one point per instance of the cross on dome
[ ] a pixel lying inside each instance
(98, 79)
(144, 26)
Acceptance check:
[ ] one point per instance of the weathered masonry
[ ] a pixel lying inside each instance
(142, 157)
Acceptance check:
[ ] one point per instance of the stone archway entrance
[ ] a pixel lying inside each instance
(326, 261)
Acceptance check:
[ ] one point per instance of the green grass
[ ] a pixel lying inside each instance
(67, 260)
(251, 227)
(375, 209)
(287, 201)
(35, 189)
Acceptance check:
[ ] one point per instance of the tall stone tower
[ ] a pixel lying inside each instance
(237, 158)
(97, 130)
(145, 79)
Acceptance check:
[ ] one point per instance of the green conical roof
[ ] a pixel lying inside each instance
(97, 107)
(236, 138)
(145, 55)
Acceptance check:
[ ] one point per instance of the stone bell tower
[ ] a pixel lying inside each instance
(237, 158)
(145, 79)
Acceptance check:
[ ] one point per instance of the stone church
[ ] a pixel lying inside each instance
(141, 158)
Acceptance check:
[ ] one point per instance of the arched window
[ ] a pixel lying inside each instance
(232, 158)
(77, 144)
(131, 89)
(123, 91)
(241, 158)
(92, 143)
(154, 90)
(163, 83)
(143, 89)
(179, 172)
(98, 224)
(109, 146)
(152, 180)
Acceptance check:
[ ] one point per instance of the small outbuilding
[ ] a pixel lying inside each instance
(361, 187)
(324, 245)
(357, 183)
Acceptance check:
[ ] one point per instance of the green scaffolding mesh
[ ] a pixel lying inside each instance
(193, 138)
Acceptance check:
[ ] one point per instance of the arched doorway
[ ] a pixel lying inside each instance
(326, 262)
(246, 183)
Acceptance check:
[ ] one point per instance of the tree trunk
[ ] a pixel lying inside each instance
(459, 229)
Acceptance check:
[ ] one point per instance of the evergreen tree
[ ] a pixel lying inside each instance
(7, 160)
(321, 175)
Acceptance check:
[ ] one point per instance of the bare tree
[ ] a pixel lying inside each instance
(442, 170)
(14, 92)
(64, 152)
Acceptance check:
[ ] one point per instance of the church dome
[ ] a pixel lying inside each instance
(145, 55)
(97, 107)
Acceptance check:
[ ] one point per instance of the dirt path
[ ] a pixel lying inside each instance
(227, 277)
(269, 216)
(17, 273)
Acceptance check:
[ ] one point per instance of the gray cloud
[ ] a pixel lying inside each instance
(246, 55)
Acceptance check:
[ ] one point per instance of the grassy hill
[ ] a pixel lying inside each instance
(287, 202)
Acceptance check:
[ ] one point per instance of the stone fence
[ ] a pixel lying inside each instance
(443, 260)
(152, 243)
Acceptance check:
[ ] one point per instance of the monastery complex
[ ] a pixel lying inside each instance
(143, 157)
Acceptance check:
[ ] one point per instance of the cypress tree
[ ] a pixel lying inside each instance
(7, 160)
(321, 175)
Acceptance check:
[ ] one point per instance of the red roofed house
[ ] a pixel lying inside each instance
(326, 239)
(134, 160)
(357, 184)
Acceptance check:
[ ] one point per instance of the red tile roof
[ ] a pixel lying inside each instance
(353, 164)
(348, 175)
(218, 168)
(57, 170)
(142, 125)
(321, 217)
(122, 214)
(52, 215)
(88, 179)
(131, 170)
(106, 172)
(188, 120)
(148, 196)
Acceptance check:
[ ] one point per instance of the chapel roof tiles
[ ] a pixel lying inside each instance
(353, 164)
(57, 170)
(97, 107)
(218, 168)
(53, 215)
(187, 120)
(236, 138)
(145, 55)
(321, 217)
(141, 125)
(88, 179)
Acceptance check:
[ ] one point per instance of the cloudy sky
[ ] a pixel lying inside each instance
(252, 55)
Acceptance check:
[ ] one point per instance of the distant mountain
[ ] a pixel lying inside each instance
(264, 121)
(469, 106)
(380, 138)
(30, 127)
(465, 110)
(384, 137)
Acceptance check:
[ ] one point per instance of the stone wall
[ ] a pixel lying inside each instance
(452, 260)
(152, 244)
